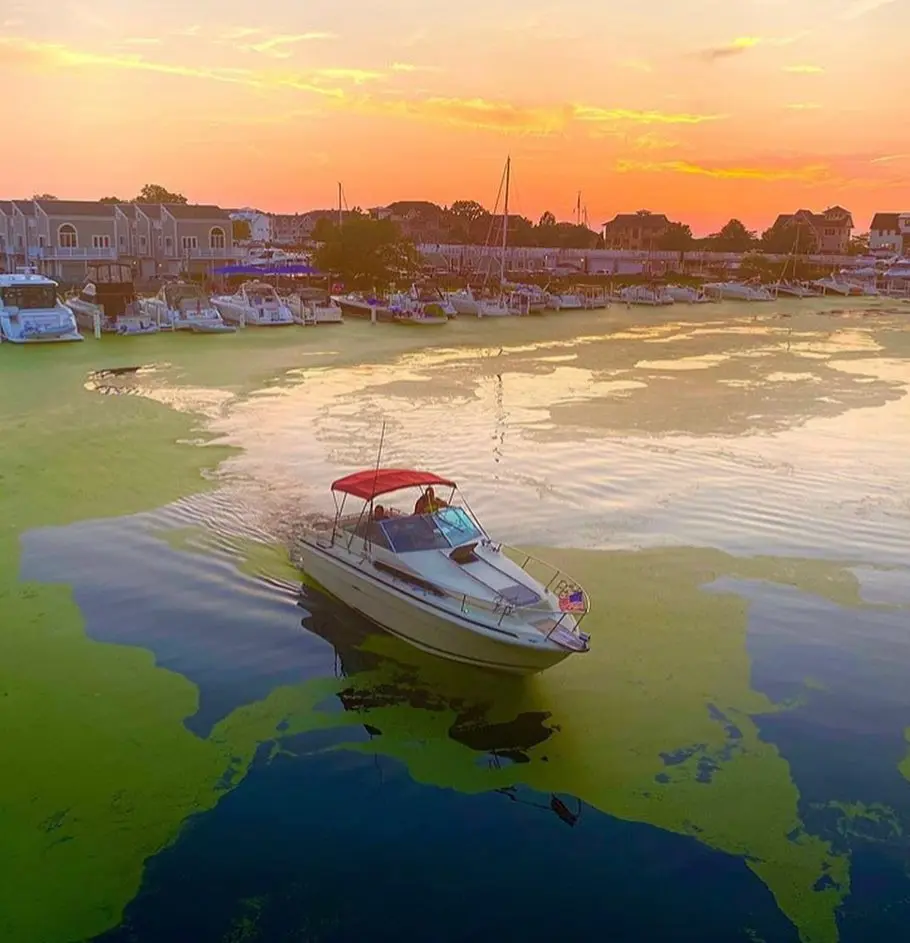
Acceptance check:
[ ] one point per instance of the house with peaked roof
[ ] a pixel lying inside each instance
(70, 233)
(6, 230)
(832, 229)
(890, 231)
(634, 231)
(196, 238)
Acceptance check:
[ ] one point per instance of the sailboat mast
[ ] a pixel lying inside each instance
(505, 223)
(340, 213)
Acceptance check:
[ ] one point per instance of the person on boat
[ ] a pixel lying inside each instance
(379, 513)
(428, 503)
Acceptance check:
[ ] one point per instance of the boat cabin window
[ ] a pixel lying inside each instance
(411, 534)
(29, 297)
(176, 295)
(457, 526)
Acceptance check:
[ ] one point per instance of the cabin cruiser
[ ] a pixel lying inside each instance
(314, 306)
(796, 290)
(31, 313)
(108, 302)
(255, 304)
(645, 295)
(837, 286)
(683, 294)
(565, 301)
(355, 305)
(183, 306)
(738, 291)
(463, 302)
(436, 580)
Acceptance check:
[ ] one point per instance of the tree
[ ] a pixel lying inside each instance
(241, 230)
(790, 234)
(155, 193)
(859, 244)
(44, 196)
(111, 199)
(733, 237)
(366, 253)
(468, 222)
(468, 211)
(521, 231)
(546, 221)
(677, 238)
(322, 230)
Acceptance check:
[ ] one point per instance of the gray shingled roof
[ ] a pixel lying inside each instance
(26, 207)
(6, 206)
(196, 211)
(152, 210)
(60, 208)
(886, 221)
(128, 210)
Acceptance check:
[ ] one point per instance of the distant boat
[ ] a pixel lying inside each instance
(31, 313)
(108, 297)
(184, 306)
(254, 304)
(738, 291)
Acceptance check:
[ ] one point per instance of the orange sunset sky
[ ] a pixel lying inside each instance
(701, 109)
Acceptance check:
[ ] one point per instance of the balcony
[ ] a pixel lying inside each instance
(230, 252)
(77, 253)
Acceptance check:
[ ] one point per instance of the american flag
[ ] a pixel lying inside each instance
(572, 602)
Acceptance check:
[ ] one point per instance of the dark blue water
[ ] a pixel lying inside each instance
(320, 843)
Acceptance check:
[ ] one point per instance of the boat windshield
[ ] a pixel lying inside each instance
(448, 527)
(457, 526)
(29, 297)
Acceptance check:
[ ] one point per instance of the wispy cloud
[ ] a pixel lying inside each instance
(357, 76)
(859, 8)
(603, 115)
(636, 65)
(803, 69)
(276, 46)
(735, 48)
(140, 41)
(409, 67)
(889, 158)
(809, 174)
(803, 106)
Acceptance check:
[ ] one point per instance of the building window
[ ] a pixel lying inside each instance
(66, 237)
(168, 243)
(189, 242)
(101, 242)
(142, 242)
(41, 242)
(123, 242)
(216, 238)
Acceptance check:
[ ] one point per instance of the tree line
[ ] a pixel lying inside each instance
(150, 193)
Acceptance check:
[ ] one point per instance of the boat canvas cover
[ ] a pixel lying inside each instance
(373, 482)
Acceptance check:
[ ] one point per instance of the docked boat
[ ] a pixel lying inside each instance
(255, 304)
(837, 286)
(314, 306)
(796, 290)
(430, 315)
(31, 313)
(463, 302)
(355, 305)
(738, 291)
(184, 306)
(108, 301)
(435, 579)
(645, 295)
(565, 301)
(684, 294)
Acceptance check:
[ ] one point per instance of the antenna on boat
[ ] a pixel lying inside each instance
(378, 458)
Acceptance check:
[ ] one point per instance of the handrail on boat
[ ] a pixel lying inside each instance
(558, 583)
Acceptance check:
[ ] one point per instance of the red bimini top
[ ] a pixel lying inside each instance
(372, 482)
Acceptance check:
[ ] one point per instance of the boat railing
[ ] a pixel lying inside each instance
(572, 599)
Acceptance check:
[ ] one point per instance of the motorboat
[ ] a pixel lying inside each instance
(837, 286)
(355, 305)
(314, 306)
(184, 306)
(255, 304)
(31, 312)
(463, 302)
(565, 301)
(108, 302)
(645, 295)
(435, 579)
(684, 294)
(537, 298)
(738, 291)
(431, 315)
(796, 290)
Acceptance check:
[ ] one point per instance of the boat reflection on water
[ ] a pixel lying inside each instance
(502, 743)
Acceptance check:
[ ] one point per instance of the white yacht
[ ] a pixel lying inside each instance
(738, 291)
(833, 285)
(108, 302)
(464, 302)
(435, 579)
(184, 306)
(314, 306)
(255, 304)
(645, 295)
(796, 290)
(684, 294)
(31, 313)
(565, 301)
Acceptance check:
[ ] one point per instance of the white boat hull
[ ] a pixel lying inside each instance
(430, 628)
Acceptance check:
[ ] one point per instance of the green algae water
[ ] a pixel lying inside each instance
(199, 745)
